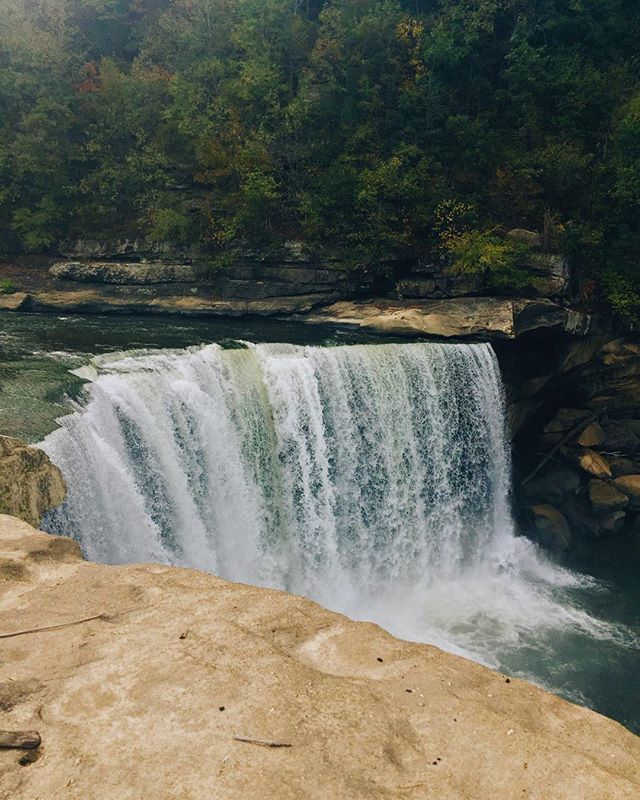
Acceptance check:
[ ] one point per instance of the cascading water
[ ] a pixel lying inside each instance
(372, 478)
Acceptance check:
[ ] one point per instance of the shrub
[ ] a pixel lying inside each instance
(496, 261)
(621, 291)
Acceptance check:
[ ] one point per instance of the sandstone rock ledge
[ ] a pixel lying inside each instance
(458, 317)
(29, 483)
(145, 701)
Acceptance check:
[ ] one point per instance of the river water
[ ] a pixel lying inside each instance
(373, 477)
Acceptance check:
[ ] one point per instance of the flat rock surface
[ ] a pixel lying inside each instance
(459, 317)
(143, 696)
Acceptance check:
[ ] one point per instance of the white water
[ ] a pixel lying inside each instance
(372, 478)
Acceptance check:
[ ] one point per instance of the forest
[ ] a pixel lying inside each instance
(377, 127)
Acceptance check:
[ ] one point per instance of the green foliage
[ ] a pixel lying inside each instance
(623, 293)
(376, 126)
(7, 286)
(497, 262)
(168, 224)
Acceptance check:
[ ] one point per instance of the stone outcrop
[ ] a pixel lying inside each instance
(142, 681)
(143, 300)
(30, 484)
(120, 272)
(471, 317)
(548, 276)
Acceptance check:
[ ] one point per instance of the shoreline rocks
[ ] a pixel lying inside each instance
(30, 485)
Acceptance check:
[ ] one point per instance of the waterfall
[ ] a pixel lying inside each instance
(371, 478)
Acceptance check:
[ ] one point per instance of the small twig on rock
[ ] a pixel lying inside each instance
(261, 742)
(106, 617)
(20, 740)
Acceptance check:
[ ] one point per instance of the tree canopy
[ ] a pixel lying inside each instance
(379, 126)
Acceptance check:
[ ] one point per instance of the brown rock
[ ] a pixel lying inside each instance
(595, 464)
(605, 497)
(592, 436)
(553, 525)
(463, 317)
(564, 421)
(14, 301)
(629, 485)
(30, 484)
(130, 710)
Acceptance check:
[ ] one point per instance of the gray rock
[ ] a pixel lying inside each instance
(621, 439)
(119, 272)
(416, 287)
(532, 239)
(623, 466)
(613, 522)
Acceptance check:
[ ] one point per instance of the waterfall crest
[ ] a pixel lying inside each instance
(372, 478)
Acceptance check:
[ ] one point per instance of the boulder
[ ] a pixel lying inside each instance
(553, 526)
(605, 498)
(532, 239)
(167, 682)
(30, 485)
(565, 420)
(629, 485)
(550, 274)
(623, 466)
(594, 464)
(592, 436)
(15, 301)
(613, 522)
(621, 438)
(582, 521)
(553, 486)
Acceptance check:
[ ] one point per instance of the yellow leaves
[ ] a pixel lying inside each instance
(410, 33)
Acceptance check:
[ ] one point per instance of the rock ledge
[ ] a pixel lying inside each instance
(143, 695)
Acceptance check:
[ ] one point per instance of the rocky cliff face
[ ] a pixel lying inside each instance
(30, 484)
(150, 681)
(574, 406)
